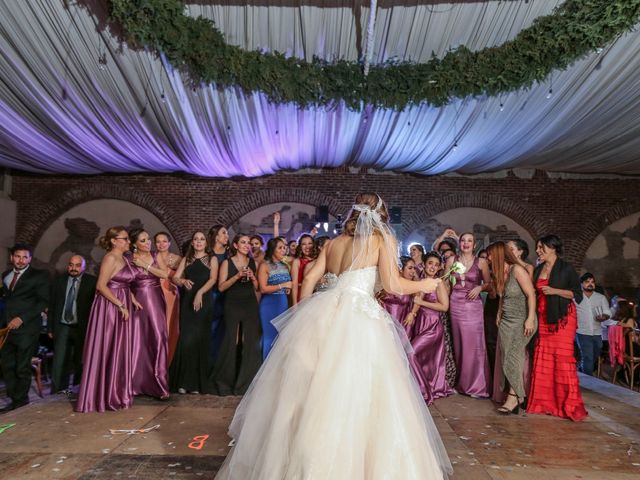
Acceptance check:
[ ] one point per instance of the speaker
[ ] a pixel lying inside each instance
(322, 213)
(395, 215)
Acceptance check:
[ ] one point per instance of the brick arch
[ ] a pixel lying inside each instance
(266, 197)
(507, 207)
(590, 230)
(40, 222)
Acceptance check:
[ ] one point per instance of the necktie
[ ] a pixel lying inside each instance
(68, 304)
(16, 274)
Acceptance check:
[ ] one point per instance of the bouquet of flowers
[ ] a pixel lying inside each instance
(458, 268)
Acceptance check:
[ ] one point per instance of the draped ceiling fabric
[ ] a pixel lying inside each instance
(74, 100)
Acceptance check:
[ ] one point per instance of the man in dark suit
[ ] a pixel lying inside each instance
(69, 307)
(26, 296)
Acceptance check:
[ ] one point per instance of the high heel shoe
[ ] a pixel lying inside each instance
(508, 411)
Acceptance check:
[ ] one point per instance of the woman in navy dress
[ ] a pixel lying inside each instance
(219, 243)
(274, 280)
(240, 355)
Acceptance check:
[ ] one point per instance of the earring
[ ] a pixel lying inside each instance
(135, 249)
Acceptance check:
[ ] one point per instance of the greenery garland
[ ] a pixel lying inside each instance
(573, 30)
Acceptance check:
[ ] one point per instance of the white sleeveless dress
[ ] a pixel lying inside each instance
(335, 398)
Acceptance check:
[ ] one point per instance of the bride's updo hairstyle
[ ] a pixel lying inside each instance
(371, 200)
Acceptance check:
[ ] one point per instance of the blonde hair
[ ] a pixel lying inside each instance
(111, 233)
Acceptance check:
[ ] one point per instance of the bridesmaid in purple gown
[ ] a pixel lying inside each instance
(467, 321)
(416, 251)
(106, 378)
(150, 342)
(399, 307)
(428, 330)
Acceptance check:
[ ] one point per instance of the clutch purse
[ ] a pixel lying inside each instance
(4, 333)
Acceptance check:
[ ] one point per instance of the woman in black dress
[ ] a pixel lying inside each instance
(219, 243)
(241, 354)
(196, 274)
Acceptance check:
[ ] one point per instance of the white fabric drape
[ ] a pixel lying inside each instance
(61, 110)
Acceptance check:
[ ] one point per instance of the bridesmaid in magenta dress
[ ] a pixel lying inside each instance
(106, 379)
(149, 329)
(467, 321)
(428, 331)
(399, 307)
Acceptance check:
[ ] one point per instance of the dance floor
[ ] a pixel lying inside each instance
(50, 441)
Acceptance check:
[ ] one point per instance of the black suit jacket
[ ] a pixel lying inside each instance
(28, 299)
(84, 300)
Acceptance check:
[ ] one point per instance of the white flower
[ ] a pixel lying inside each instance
(458, 267)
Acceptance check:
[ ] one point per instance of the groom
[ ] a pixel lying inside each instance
(26, 295)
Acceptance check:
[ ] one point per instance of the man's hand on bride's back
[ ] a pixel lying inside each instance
(430, 284)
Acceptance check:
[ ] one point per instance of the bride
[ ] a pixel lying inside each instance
(335, 398)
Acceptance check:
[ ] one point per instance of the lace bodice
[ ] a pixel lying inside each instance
(363, 280)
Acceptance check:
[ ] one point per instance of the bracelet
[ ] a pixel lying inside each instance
(148, 267)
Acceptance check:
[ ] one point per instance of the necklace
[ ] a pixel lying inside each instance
(467, 265)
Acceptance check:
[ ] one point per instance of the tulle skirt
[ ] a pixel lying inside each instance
(335, 399)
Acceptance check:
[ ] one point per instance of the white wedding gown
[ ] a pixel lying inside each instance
(335, 399)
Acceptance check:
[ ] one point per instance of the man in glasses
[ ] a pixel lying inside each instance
(71, 298)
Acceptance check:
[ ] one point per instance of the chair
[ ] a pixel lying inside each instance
(631, 362)
(4, 333)
(601, 359)
(36, 366)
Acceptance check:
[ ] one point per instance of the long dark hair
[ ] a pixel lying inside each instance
(134, 234)
(272, 244)
(299, 247)
(552, 241)
(191, 252)
(213, 233)
(155, 237)
(233, 250)
(522, 246)
(405, 259)
(624, 311)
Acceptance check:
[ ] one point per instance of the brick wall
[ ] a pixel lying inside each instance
(577, 209)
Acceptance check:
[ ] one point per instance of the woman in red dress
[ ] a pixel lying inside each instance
(555, 389)
(305, 254)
